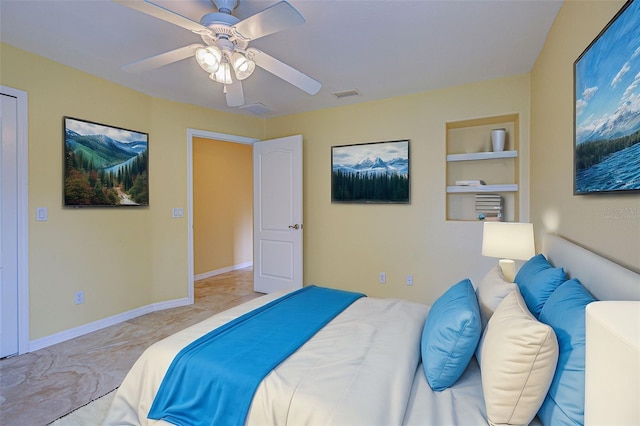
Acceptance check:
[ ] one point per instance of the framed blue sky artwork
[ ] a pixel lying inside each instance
(607, 108)
(376, 172)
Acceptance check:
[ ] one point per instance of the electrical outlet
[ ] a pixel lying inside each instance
(409, 280)
(79, 297)
(382, 277)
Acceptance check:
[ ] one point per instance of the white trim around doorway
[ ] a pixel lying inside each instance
(191, 133)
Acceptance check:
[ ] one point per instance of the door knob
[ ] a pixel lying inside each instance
(296, 226)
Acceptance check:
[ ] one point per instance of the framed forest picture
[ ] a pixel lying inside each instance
(376, 172)
(607, 108)
(104, 165)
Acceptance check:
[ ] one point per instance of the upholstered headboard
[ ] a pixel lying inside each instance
(605, 279)
(612, 355)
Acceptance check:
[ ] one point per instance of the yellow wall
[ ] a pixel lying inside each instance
(122, 258)
(608, 224)
(222, 204)
(347, 245)
(127, 258)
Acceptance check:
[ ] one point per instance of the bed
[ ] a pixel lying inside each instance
(378, 361)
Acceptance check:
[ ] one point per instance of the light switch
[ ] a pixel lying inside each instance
(42, 214)
(177, 212)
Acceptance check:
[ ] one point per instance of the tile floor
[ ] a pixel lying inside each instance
(39, 387)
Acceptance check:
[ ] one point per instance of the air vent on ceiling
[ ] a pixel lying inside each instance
(346, 93)
(257, 108)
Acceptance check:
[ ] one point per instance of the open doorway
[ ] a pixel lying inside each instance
(277, 210)
(222, 207)
(193, 137)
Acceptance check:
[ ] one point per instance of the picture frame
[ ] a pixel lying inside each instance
(104, 166)
(607, 108)
(373, 173)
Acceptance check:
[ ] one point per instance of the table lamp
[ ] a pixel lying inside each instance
(508, 241)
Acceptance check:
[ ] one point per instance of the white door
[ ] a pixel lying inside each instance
(277, 214)
(8, 227)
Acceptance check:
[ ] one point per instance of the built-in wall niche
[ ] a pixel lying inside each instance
(470, 157)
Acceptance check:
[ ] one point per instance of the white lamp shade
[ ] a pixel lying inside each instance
(209, 58)
(509, 240)
(242, 66)
(223, 75)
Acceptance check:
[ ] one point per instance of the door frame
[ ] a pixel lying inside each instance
(22, 216)
(195, 133)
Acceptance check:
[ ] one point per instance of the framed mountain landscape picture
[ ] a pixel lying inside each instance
(104, 165)
(376, 172)
(607, 108)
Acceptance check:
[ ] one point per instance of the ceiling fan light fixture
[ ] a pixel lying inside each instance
(209, 58)
(225, 45)
(223, 74)
(242, 66)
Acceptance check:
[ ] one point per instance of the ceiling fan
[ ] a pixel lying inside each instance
(225, 54)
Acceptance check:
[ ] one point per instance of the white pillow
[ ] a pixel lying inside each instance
(490, 292)
(519, 358)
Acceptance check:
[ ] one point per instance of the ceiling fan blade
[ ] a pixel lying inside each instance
(234, 93)
(284, 71)
(167, 15)
(162, 59)
(275, 18)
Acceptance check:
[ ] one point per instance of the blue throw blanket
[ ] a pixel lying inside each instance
(212, 381)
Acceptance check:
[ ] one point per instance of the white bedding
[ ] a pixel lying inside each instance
(359, 369)
(364, 367)
(461, 404)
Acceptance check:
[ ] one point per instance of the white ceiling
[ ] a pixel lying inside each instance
(381, 48)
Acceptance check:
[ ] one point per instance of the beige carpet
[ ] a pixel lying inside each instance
(39, 387)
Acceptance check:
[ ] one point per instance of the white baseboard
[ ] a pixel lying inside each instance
(63, 336)
(222, 271)
(43, 342)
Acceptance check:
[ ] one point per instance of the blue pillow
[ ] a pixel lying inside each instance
(536, 280)
(531, 267)
(565, 313)
(450, 335)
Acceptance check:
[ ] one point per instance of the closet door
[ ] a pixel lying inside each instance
(8, 228)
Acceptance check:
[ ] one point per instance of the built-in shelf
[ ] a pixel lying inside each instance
(472, 156)
(511, 187)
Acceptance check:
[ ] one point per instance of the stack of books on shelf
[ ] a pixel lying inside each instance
(489, 207)
(471, 182)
